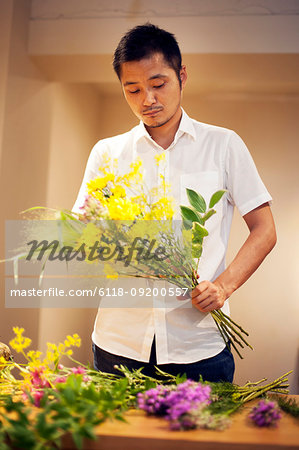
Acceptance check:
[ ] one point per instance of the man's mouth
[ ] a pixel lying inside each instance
(152, 112)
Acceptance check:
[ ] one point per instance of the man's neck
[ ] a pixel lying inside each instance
(164, 135)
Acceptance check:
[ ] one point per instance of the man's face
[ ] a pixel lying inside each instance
(152, 90)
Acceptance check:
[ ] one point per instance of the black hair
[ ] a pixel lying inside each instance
(144, 40)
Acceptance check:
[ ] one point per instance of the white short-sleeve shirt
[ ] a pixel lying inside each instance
(204, 158)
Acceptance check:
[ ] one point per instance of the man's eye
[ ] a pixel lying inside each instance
(134, 92)
(159, 86)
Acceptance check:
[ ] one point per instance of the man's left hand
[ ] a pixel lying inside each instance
(207, 296)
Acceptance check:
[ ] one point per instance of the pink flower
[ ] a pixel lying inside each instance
(86, 379)
(78, 370)
(37, 396)
(38, 379)
(60, 379)
(92, 209)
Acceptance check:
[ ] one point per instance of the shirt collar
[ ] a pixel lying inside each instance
(186, 126)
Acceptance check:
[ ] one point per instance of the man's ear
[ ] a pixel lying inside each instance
(183, 76)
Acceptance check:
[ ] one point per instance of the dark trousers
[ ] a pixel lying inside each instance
(218, 368)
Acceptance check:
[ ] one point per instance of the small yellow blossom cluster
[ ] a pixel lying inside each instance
(38, 372)
(111, 191)
(54, 351)
(19, 342)
(115, 197)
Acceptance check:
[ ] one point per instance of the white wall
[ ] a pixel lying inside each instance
(51, 115)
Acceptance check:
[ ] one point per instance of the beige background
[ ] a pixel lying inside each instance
(58, 96)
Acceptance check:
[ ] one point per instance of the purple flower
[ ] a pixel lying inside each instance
(154, 401)
(176, 403)
(265, 414)
(188, 397)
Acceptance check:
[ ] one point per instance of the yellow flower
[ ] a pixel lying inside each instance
(110, 189)
(122, 209)
(99, 183)
(134, 176)
(72, 341)
(19, 343)
(161, 210)
(34, 356)
(118, 191)
(53, 355)
(77, 339)
(160, 158)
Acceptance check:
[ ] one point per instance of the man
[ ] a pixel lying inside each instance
(201, 157)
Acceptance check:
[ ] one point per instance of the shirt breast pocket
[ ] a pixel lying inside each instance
(204, 183)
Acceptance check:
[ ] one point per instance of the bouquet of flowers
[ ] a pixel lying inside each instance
(120, 215)
(46, 399)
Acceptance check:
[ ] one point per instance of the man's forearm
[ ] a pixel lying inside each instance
(259, 243)
(208, 295)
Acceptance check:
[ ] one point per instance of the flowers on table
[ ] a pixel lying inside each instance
(191, 404)
(183, 406)
(154, 400)
(187, 397)
(47, 399)
(289, 405)
(265, 414)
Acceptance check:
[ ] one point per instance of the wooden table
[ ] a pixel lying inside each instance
(142, 432)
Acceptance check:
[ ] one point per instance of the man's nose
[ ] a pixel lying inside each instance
(149, 97)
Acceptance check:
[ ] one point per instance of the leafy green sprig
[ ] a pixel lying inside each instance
(78, 405)
(289, 405)
(229, 398)
(197, 214)
(74, 407)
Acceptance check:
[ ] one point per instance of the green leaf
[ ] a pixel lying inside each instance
(69, 395)
(148, 384)
(196, 250)
(187, 224)
(180, 378)
(78, 440)
(209, 214)
(196, 200)
(189, 214)
(216, 197)
(198, 232)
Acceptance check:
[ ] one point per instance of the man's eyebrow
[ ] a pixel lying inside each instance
(127, 83)
(153, 77)
(158, 75)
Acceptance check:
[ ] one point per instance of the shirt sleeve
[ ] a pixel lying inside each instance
(246, 189)
(92, 171)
